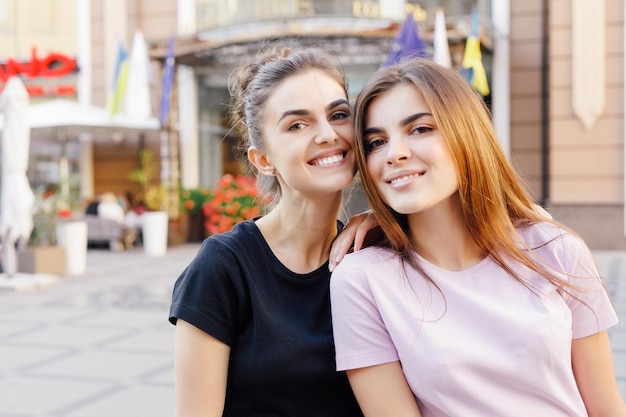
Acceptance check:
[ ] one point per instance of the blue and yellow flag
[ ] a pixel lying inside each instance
(472, 68)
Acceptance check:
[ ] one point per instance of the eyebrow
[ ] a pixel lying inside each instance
(404, 122)
(412, 118)
(302, 112)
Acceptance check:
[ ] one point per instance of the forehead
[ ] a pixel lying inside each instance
(307, 90)
(394, 105)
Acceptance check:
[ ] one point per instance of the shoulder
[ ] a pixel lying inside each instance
(216, 271)
(358, 267)
(550, 236)
(243, 235)
(224, 251)
(559, 247)
(366, 258)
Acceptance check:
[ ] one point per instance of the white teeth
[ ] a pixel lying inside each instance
(402, 179)
(328, 160)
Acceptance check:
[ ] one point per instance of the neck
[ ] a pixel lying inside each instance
(300, 232)
(441, 236)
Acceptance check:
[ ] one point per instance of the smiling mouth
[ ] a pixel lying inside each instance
(329, 160)
(404, 178)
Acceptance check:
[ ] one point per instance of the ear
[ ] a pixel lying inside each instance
(259, 159)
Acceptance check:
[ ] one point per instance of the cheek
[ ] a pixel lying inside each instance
(374, 166)
(450, 171)
(346, 132)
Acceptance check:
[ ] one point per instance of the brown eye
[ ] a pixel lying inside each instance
(420, 130)
(295, 126)
(373, 143)
(340, 115)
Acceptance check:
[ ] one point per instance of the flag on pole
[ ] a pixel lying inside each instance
(442, 49)
(166, 82)
(407, 44)
(472, 67)
(118, 84)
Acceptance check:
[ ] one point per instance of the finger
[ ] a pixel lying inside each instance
(341, 246)
(361, 232)
(365, 231)
(354, 231)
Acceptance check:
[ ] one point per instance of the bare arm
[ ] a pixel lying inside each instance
(201, 369)
(361, 229)
(592, 362)
(382, 391)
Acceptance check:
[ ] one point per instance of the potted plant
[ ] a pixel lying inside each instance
(58, 242)
(191, 202)
(235, 199)
(152, 194)
(155, 220)
(42, 254)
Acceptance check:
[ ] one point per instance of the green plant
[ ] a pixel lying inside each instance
(53, 202)
(152, 194)
(234, 200)
(192, 199)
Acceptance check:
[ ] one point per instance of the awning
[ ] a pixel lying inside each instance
(45, 120)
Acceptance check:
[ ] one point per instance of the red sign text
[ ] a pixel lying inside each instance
(53, 65)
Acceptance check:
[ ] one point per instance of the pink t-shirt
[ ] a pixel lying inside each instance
(491, 347)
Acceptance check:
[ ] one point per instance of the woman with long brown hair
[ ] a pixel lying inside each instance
(476, 304)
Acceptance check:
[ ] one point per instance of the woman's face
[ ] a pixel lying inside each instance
(309, 135)
(407, 158)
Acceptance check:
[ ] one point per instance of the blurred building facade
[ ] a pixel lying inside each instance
(556, 72)
(33, 35)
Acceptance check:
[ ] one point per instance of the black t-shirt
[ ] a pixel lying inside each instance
(276, 322)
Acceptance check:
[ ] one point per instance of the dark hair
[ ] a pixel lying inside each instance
(254, 82)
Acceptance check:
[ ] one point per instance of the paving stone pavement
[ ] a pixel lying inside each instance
(99, 345)
(96, 345)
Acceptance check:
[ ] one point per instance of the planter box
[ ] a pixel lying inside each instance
(195, 227)
(42, 260)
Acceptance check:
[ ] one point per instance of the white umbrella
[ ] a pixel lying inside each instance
(16, 196)
(442, 48)
(137, 98)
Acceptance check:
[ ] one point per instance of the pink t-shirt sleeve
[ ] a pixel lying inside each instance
(361, 337)
(588, 299)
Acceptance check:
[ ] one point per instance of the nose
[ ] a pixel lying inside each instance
(326, 133)
(397, 150)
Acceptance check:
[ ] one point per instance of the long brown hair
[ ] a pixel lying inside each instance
(493, 197)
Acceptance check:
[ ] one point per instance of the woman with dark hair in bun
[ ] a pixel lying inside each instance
(252, 310)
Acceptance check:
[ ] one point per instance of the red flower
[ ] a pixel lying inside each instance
(234, 200)
(64, 213)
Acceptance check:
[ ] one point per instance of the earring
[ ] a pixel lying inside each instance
(273, 171)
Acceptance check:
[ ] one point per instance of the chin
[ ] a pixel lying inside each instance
(406, 209)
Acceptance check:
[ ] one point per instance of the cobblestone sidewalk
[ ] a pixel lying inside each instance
(99, 345)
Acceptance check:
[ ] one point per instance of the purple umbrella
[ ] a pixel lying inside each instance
(16, 196)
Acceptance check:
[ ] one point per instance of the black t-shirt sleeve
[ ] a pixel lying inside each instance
(206, 295)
